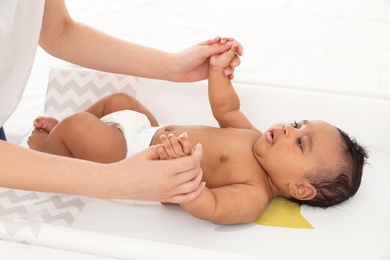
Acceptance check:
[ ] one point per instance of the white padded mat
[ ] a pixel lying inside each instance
(50, 219)
(340, 47)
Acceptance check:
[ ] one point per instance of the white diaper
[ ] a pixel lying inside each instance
(135, 127)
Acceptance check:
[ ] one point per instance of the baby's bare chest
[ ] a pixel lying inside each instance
(227, 153)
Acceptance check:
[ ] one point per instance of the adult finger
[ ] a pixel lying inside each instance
(188, 167)
(216, 49)
(185, 168)
(211, 41)
(240, 48)
(149, 153)
(188, 197)
(162, 153)
(191, 184)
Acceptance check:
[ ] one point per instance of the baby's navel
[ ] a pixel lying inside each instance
(223, 158)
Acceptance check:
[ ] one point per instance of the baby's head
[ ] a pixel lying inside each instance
(311, 162)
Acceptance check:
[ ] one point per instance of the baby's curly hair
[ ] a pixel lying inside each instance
(333, 190)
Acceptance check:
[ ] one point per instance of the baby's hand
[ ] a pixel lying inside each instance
(174, 147)
(223, 61)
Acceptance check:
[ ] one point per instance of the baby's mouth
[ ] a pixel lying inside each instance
(269, 137)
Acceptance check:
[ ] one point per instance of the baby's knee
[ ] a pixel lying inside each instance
(75, 123)
(121, 98)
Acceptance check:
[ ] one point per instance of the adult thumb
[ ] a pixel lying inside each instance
(218, 48)
(149, 153)
(198, 151)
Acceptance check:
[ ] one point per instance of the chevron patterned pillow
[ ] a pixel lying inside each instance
(74, 89)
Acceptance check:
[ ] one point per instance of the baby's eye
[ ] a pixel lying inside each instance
(295, 124)
(300, 143)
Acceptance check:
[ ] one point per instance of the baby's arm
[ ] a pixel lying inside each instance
(230, 204)
(224, 100)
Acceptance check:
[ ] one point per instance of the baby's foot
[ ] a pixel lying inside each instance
(36, 141)
(45, 123)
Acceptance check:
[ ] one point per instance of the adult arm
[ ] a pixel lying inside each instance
(139, 177)
(82, 45)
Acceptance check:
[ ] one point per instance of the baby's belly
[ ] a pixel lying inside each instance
(196, 134)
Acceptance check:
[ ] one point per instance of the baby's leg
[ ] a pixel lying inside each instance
(85, 136)
(36, 141)
(45, 122)
(42, 127)
(117, 102)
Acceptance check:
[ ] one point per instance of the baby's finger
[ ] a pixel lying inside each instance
(235, 62)
(176, 145)
(185, 143)
(229, 71)
(168, 147)
(240, 49)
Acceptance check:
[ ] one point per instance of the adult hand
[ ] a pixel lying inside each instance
(194, 62)
(144, 177)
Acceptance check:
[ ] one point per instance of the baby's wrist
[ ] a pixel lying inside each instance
(216, 68)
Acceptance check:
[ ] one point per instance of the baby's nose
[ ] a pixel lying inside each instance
(286, 129)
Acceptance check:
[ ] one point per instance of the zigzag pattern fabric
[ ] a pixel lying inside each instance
(22, 213)
(73, 90)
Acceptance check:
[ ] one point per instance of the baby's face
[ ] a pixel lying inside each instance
(290, 151)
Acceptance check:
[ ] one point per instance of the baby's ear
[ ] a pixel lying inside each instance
(302, 191)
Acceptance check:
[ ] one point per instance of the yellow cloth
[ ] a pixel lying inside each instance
(283, 213)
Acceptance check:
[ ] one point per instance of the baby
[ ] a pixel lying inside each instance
(310, 162)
